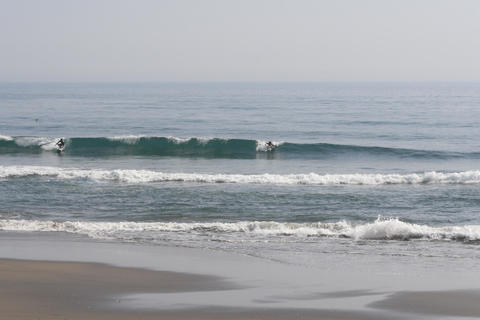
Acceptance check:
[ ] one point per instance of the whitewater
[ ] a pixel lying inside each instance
(289, 172)
(148, 176)
(380, 229)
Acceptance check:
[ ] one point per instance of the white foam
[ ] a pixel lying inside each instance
(43, 142)
(128, 139)
(205, 140)
(147, 176)
(201, 140)
(6, 138)
(107, 229)
(178, 140)
(393, 228)
(132, 139)
(381, 229)
(262, 146)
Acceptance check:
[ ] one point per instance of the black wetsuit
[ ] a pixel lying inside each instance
(61, 143)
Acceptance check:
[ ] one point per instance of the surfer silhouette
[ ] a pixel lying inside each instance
(270, 146)
(61, 143)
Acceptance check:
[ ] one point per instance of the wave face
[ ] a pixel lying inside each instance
(137, 146)
(209, 147)
(381, 229)
(148, 176)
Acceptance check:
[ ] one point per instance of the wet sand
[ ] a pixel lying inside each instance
(461, 303)
(55, 276)
(78, 290)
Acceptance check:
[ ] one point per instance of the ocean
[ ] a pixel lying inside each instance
(356, 169)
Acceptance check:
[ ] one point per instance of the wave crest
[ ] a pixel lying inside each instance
(148, 176)
(381, 229)
(140, 145)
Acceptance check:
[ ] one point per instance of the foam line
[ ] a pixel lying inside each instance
(147, 176)
(381, 229)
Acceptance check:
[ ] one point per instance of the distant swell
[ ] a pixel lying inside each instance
(148, 176)
(209, 147)
(381, 229)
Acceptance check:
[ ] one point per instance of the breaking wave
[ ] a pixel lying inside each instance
(148, 176)
(381, 229)
(209, 147)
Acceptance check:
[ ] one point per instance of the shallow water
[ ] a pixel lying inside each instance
(370, 169)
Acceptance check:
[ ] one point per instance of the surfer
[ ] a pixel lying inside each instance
(270, 146)
(60, 144)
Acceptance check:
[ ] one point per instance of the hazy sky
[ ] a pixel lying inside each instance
(242, 40)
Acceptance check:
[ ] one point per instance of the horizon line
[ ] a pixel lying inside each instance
(232, 81)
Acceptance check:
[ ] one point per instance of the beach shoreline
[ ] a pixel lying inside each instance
(57, 276)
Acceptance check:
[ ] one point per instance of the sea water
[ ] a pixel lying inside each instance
(369, 169)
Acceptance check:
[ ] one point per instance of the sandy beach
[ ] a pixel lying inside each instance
(76, 290)
(75, 279)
